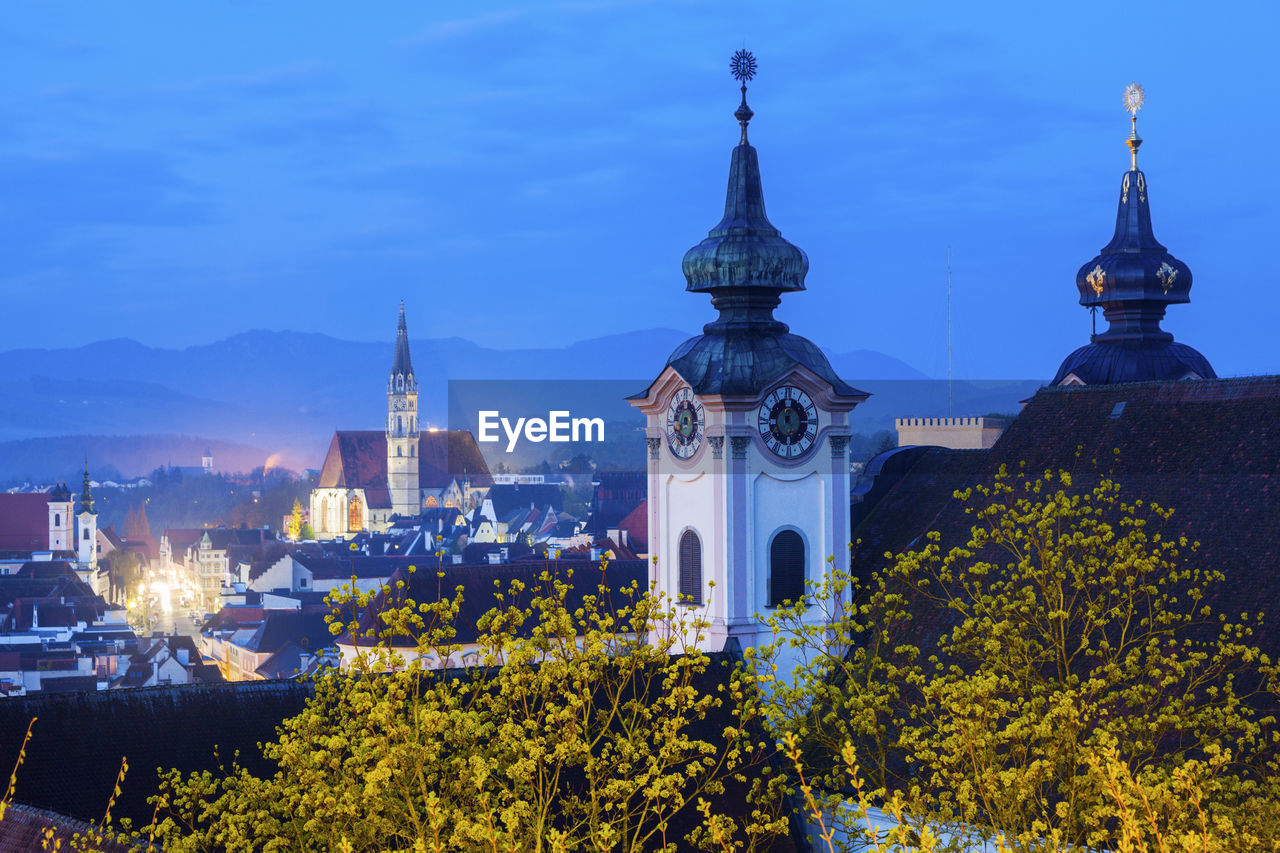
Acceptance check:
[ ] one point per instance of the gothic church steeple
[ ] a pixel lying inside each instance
(403, 428)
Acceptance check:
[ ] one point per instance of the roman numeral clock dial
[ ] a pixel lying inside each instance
(684, 424)
(788, 422)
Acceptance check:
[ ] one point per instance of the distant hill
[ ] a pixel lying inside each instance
(42, 460)
(284, 393)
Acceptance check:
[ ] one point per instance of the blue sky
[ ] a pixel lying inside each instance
(526, 173)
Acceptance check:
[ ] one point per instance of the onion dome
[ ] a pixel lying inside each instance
(1133, 279)
(402, 366)
(60, 493)
(744, 249)
(746, 265)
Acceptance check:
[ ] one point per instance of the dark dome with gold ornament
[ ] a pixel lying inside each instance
(1133, 279)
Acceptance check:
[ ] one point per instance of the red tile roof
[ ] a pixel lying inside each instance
(637, 526)
(24, 522)
(357, 459)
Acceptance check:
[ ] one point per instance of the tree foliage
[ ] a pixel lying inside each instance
(590, 726)
(980, 685)
(295, 519)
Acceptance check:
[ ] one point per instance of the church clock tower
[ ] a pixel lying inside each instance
(747, 427)
(402, 429)
(87, 535)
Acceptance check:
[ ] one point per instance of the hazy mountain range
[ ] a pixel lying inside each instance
(280, 395)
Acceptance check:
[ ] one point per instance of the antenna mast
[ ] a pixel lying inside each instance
(948, 330)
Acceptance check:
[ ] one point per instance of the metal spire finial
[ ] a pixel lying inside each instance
(1134, 98)
(743, 67)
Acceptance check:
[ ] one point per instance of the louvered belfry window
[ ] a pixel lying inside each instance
(690, 568)
(786, 568)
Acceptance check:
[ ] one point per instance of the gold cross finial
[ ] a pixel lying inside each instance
(1134, 98)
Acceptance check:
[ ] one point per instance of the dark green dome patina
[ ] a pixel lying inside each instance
(746, 265)
(745, 250)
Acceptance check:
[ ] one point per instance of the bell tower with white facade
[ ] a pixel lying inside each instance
(402, 429)
(747, 428)
(87, 522)
(61, 525)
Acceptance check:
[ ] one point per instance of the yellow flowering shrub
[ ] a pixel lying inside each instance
(1009, 686)
(594, 727)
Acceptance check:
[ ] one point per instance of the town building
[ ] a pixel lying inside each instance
(370, 477)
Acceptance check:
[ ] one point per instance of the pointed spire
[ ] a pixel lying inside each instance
(402, 365)
(744, 250)
(86, 494)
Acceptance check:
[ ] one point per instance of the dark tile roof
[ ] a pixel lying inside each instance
(182, 538)
(286, 662)
(47, 569)
(24, 522)
(507, 497)
(478, 586)
(71, 766)
(23, 830)
(222, 538)
(79, 739)
(109, 533)
(616, 494)
(307, 629)
(337, 568)
(1207, 449)
(357, 459)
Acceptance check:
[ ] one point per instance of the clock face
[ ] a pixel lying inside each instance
(398, 403)
(684, 424)
(788, 422)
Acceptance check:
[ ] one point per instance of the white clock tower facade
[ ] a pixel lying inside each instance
(747, 429)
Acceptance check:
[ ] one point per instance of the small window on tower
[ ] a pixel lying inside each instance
(86, 534)
(786, 568)
(690, 581)
(57, 519)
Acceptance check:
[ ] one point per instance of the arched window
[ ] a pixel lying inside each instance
(324, 515)
(86, 535)
(690, 582)
(399, 424)
(410, 423)
(413, 451)
(786, 568)
(57, 519)
(399, 382)
(399, 450)
(355, 514)
(431, 502)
